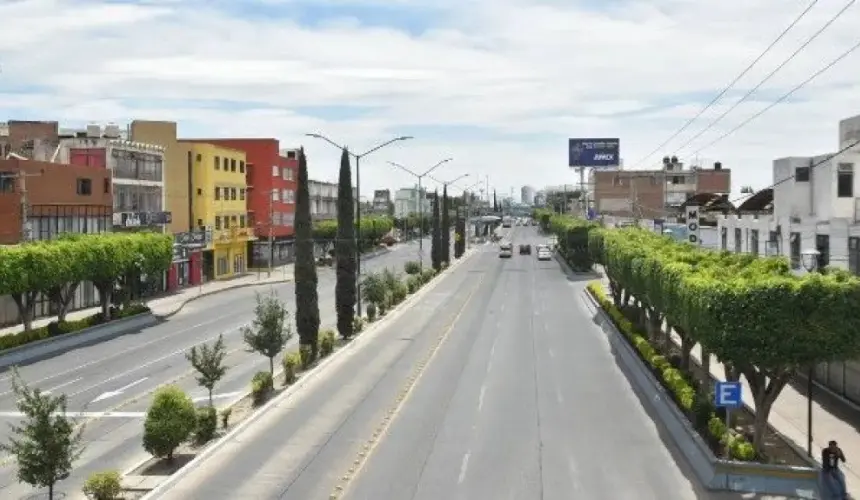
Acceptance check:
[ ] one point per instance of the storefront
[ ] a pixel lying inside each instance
(186, 268)
(230, 259)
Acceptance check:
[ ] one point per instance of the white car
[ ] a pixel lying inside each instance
(544, 254)
(506, 250)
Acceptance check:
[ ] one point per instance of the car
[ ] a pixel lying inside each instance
(544, 254)
(506, 251)
(525, 249)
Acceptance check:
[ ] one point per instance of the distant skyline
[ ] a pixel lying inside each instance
(499, 86)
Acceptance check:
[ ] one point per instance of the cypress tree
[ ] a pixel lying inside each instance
(344, 290)
(446, 227)
(495, 205)
(436, 242)
(305, 270)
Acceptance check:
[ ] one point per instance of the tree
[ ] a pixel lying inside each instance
(446, 226)
(495, 205)
(270, 330)
(169, 422)
(345, 294)
(47, 443)
(324, 232)
(209, 363)
(305, 270)
(436, 243)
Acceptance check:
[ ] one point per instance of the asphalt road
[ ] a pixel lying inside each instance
(119, 375)
(496, 384)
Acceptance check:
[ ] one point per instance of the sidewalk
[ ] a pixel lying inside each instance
(169, 305)
(832, 418)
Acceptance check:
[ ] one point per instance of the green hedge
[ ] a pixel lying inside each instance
(757, 317)
(55, 329)
(572, 234)
(372, 231)
(672, 379)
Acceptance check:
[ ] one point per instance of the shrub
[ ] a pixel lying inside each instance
(358, 324)
(225, 417)
(674, 381)
(170, 421)
(371, 312)
(413, 283)
(428, 274)
(326, 339)
(399, 293)
(262, 386)
(207, 424)
(105, 485)
(292, 363)
(412, 267)
(306, 354)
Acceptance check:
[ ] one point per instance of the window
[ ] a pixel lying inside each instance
(794, 250)
(232, 193)
(234, 220)
(217, 222)
(217, 193)
(217, 163)
(773, 244)
(275, 171)
(845, 180)
(232, 164)
(801, 174)
(241, 167)
(242, 221)
(275, 193)
(854, 255)
(106, 186)
(822, 244)
(291, 155)
(724, 239)
(7, 182)
(285, 195)
(754, 241)
(200, 223)
(199, 192)
(738, 241)
(85, 187)
(226, 222)
(241, 193)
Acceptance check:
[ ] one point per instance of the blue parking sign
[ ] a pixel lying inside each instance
(728, 395)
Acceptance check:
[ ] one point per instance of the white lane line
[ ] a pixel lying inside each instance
(84, 414)
(117, 392)
(551, 353)
(464, 466)
(558, 395)
(481, 396)
(54, 389)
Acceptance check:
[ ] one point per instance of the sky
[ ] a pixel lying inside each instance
(497, 85)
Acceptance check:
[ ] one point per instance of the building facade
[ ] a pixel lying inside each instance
(409, 201)
(382, 201)
(21, 137)
(653, 194)
(527, 195)
(218, 207)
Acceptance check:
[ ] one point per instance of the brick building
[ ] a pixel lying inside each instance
(654, 194)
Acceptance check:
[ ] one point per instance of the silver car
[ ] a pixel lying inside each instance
(506, 250)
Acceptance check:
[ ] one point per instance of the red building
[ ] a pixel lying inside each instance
(271, 175)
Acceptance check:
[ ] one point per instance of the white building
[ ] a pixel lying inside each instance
(813, 205)
(323, 197)
(408, 201)
(527, 195)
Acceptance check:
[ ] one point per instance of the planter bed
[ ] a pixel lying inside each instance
(711, 427)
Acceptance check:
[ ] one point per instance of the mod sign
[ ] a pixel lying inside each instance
(693, 225)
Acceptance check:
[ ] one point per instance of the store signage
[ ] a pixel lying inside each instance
(180, 253)
(138, 219)
(196, 238)
(692, 216)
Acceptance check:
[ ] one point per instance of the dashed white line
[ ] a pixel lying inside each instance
(70, 382)
(481, 397)
(464, 466)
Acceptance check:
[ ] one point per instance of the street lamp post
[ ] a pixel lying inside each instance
(468, 206)
(421, 200)
(809, 259)
(358, 158)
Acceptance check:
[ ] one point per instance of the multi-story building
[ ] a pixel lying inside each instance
(41, 200)
(271, 177)
(408, 201)
(21, 137)
(218, 205)
(527, 195)
(654, 194)
(381, 201)
(323, 196)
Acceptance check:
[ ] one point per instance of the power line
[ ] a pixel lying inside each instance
(767, 78)
(782, 98)
(730, 85)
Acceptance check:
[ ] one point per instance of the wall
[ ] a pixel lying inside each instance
(176, 176)
(212, 184)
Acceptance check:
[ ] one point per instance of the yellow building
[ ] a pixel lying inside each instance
(218, 191)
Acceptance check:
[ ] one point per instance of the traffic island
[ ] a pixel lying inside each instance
(722, 458)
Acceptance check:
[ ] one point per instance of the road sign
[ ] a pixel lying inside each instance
(692, 219)
(593, 153)
(728, 395)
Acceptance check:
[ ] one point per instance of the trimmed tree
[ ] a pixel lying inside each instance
(208, 361)
(436, 243)
(446, 226)
(170, 421)
(271, 329)
(345, 288)
(305, 271)
(47, 443)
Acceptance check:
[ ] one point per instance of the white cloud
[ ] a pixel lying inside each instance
(535, 72)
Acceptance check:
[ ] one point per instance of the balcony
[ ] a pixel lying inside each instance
(233, 235)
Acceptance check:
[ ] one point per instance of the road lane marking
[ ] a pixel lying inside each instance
(83, 414)
(370, 446)
(481, 396)
(464, 466)
(64, 384)
(117, 392)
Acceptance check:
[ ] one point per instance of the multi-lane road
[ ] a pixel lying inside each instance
(495, 384)
(110, 384)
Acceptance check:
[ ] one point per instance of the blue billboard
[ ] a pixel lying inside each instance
(593, 153)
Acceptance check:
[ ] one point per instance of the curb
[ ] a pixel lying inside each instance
(215, 292)
(373, 330)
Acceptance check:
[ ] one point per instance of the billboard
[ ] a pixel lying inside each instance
(593, 153)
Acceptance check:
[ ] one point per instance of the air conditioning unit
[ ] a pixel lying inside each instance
(94, 130)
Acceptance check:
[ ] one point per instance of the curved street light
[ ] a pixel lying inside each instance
(358, 158)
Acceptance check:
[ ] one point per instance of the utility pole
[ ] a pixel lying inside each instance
(26, 232)
(271, 230)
